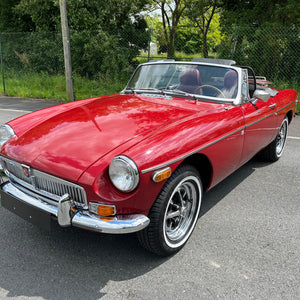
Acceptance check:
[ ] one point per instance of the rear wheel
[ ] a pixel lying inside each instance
(174, 213)
(275, 149)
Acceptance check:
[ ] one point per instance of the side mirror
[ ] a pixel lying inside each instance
(260, 94)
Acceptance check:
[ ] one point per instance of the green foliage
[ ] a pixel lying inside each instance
(201, 13)
(188, 38)
(259, 12)
(108, 37)
(271, 51)
(10, 21)
(44, 14)
(87, 88)
(45, 86)
(170, 13)
(106, 53)
(36, 51)
(104, 38)
(34, 85)
(284, 85)
(157, 32)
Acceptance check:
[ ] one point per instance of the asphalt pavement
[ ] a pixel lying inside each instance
(246, 244)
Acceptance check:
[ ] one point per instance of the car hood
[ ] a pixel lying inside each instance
(66, 140)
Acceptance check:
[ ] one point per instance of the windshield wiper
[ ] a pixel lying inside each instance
(144, 90)
(181, 93)
(155, 90)
(128, 90)
(162, 92)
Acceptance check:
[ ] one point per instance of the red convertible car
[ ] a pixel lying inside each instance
(140, 161)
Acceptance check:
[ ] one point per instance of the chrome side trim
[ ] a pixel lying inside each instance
(282, 108)
(261, 119)
(191, 153)
(265, 117)
(82, 218)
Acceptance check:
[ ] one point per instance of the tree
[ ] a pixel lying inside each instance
(171, 12)
(269, 28)
(43, 14)
(259, 12)
(103, 37)
(201, 13)
(188, 38)
(10, 21)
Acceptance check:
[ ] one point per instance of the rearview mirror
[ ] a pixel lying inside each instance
(260, 94)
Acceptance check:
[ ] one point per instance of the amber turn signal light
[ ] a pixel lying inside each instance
(103, 210)
(161, 175)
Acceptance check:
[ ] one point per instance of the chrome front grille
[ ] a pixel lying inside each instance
(14, 168)
(41, 184)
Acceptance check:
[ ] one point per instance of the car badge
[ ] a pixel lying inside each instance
(26, 171)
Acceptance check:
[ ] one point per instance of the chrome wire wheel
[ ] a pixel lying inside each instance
(174, 213)
(182, 211)
(275, 149)
(281, 137)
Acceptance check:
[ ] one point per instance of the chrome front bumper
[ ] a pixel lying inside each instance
(66, 214)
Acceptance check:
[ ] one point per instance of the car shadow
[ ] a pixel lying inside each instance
(69, 263)
(217, 193)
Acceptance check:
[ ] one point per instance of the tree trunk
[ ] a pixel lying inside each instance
(171, 49)
(205, 47)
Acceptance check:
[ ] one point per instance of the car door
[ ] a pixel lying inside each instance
(260, 120)
(226, 144)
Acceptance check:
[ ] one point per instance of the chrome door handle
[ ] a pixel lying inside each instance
(273, 105)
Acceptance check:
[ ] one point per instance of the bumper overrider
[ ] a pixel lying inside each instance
(40, 213)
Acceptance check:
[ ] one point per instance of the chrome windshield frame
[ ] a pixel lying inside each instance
(236, 101)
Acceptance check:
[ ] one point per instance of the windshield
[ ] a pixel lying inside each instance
(202, 80)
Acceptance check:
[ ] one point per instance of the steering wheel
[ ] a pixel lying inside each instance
(209, 86)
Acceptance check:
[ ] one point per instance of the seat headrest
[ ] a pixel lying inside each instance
(230, 79)
(190, 77)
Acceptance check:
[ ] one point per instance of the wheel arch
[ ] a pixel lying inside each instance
(290, 116)
(202, 163)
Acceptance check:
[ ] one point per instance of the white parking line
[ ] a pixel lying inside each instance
(15, 110)
(294, 137)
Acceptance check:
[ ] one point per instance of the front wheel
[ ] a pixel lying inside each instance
(174, 213)
(275, 149)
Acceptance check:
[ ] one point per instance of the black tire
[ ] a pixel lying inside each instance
(174, 213)
(275, 149)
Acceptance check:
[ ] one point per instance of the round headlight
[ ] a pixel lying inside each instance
(124, 173)
(6, 132)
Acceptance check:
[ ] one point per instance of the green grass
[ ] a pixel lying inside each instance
(45, 86)
(35, 86)
(87, 88)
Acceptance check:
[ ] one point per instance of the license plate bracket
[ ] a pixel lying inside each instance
(26, 211)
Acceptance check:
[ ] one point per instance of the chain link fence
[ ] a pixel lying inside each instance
(31, 60)
(271, 51)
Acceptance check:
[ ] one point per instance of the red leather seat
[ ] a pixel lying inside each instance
(190, 80)
(230, 84)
